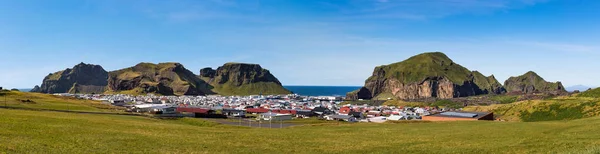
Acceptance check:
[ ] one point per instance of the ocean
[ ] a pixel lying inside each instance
(321, 90)
(24, 89)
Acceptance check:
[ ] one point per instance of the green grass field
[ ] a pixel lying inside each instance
(51, 102)
(561, 108)
(24, 131)
(53, 132)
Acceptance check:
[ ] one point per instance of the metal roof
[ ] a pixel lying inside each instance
(459, 114)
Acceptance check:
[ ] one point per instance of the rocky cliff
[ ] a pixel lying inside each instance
(424, 76)
(488, 85)
(531, 82)
(163, 79)
(82, 78)
(242, 79)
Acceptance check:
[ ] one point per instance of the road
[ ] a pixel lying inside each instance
(249, 123)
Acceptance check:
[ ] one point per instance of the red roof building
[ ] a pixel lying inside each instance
(193, 110)
(257, 110)
(345, 110)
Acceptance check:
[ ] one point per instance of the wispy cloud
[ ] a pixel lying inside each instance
(339, 58)
(562, 47)
(183, 10)
(426, 9)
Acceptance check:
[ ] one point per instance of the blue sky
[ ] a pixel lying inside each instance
(302, 42)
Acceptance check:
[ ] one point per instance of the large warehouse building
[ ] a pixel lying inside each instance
(460, 116)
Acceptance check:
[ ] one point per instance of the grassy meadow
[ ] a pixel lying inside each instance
(560, 108)
(51, 102)
(54, 132)
(27, 131)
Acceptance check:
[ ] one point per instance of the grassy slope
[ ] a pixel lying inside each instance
(505, 99)
(266, 88)
(55, 76)
(50, 132)
(54, 132)
(51, 102)
(531, 78)
(490, 83)
(564, 108)
(418, 67)
(595, 93)
(149, 71)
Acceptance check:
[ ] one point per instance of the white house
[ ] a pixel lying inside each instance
(422, 112)
(379, 119)
(341, 118)
(397, 117)
(275, 117)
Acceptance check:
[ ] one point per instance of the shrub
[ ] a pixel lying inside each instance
(447, 104)
(505, 99)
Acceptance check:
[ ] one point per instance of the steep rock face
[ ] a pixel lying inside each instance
(163, 78)
(242, 79)
(488, 84)
(36, 89)
(208, 72)
(424, 76)
(82, 78)
(531, 82)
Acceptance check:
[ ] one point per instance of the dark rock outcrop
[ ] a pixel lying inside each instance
(36, 89)
(530, 83)
(242, 79)
(82, 78)
(488, 84)
(208, 72)
(425, 75)
(163, 79)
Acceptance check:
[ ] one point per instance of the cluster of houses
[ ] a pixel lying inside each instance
(279, 107)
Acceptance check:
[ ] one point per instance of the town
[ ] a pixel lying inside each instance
(278, 108)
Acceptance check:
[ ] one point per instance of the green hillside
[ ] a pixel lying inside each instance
(38, 101)
(162, 78)
(487, 83)
(242, 79)
(562, 108)
(424, 65)
(595, 93)
(81, 78)
(531, 82)
(265, 88)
